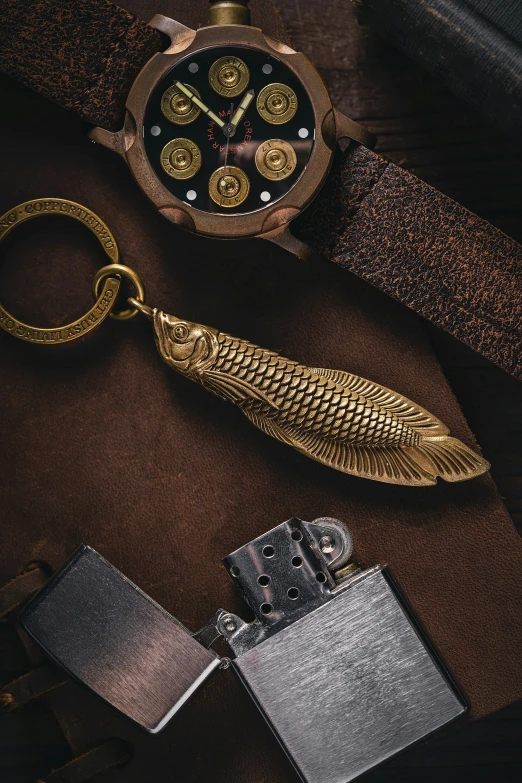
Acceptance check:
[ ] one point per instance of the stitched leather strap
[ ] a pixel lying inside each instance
(423, 249)
(82, 54)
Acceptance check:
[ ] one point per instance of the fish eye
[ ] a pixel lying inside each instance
(181, 332)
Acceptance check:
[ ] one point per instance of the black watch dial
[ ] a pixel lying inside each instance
(229, 130)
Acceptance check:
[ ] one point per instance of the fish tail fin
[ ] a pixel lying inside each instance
(449, 458)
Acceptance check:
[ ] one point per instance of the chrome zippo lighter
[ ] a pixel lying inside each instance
(330, 643)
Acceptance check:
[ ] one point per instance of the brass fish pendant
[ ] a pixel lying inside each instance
(338, 419)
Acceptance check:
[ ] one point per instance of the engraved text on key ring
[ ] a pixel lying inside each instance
(107, 296)
(130, 274)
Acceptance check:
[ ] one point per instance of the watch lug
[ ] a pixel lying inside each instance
(346, 128)
(178, 216)
(279, 46)
(283, 237)
(113, 141)
(180, 35)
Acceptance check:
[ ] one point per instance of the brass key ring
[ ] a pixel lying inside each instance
(105, 294)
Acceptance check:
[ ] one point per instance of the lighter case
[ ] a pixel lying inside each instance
(334, 659)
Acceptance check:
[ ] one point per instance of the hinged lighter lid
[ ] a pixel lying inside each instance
(107, 633)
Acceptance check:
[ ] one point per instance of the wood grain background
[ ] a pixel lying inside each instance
(425, 129)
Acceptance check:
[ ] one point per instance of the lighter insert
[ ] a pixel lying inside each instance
(334, 660)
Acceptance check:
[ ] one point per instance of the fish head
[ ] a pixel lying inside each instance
(185, 346)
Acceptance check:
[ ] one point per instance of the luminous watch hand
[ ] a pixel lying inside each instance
(194, 98)
(248, 97)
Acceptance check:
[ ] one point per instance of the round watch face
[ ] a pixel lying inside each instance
(229, 130)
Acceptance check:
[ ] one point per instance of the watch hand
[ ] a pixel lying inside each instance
(248, 97)
(199, 103)
(222, 183)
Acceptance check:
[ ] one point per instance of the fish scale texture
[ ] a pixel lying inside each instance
(309, 401)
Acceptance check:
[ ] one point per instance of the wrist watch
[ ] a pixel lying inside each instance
(232, 134)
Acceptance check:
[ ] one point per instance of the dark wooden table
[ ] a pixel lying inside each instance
(425, 129)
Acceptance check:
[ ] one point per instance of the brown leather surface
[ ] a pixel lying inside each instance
(422, 248)
(103, 443)
(82, 54)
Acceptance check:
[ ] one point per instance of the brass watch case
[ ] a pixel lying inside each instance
(268, 222)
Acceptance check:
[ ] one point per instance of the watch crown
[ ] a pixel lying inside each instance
(229, 12)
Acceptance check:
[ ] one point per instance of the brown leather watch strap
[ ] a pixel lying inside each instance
(422, 248)
(82, 54)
